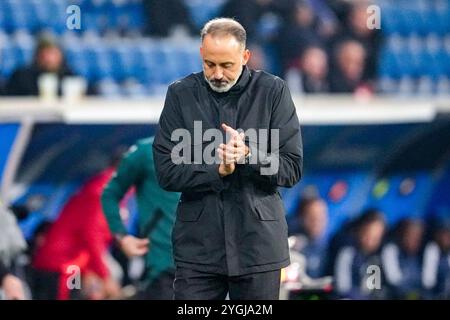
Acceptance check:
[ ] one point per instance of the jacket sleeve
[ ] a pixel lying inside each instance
(180, 177)
(129, 172)
(283, 165)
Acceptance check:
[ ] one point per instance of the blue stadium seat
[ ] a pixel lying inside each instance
(136, 17)
(127, 57)
(387, 85)
(100, 63)
(108, 88)
(411, 22)
(118, 15)
(183, 62)
(57, 19)
(388, 65)
(431, 65)
(203, 10)
(9, 60)
(405, 63)
(41, 13)
(24, 53)
(440, 199)
(133, 88)
(112, 15)
(442, 18)
(442, 86)
(389, 21)
(431, 22)
(77, 60)
(2, 16)
(16, 13)
(152, 69)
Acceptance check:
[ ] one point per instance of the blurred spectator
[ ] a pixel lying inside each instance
(258, 59)
(312, 240)
(348, 67)
(11, 285)
(38, 238)
(370, 38)
(401, 260)
(354, 21)
(299, 32)
(48, 58)
(344, 236)
(311, 75)
(80, 237)
(156, 218)
(12, 243)
(165, 15)
(352, 262)
(250, 12)
(436, 261)
(328, 23)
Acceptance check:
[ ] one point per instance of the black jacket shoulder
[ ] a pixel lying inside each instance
(266, 79)
(188, 82)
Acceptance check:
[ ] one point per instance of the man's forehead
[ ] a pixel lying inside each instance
(221, 43)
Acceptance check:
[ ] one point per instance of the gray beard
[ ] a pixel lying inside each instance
(224, 88)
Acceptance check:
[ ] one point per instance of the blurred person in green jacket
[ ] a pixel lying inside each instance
(156, 217)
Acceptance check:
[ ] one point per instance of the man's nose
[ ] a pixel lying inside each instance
(218, 73)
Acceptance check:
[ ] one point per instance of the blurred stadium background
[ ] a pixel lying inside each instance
(380, 141)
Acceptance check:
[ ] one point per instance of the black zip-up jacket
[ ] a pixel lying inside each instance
(233, 225)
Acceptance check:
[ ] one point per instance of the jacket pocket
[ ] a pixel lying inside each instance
(270, 208)
(190, 211)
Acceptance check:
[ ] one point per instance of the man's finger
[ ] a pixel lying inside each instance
(142, 245)
(220, 153)
(230, 148)
(230, 130)
(140, 252)
(227, 157)
(238, 142)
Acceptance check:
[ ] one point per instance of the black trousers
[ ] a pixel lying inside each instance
(161, 288)
(195, 285)
(44, 284)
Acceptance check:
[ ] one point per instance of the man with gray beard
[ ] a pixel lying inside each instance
(230, 235)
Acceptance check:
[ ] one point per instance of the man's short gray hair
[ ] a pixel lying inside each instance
(225, 26)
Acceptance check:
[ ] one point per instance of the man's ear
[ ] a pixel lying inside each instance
(246, 56)
(201, 52)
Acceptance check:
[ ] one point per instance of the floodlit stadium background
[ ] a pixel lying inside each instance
(383, 142)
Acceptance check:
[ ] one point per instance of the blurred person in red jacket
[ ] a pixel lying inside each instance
(77, 242)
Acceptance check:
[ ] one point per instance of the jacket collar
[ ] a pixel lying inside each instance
(243, 80)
